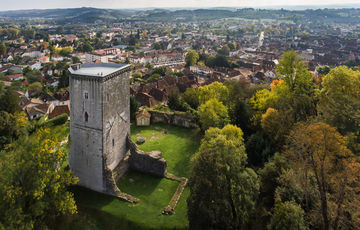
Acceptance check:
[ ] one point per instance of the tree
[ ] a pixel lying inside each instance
(287, 215)
(339, 103)
(134, 107)
(276, 125)
(318, 150)
(86, 47)
(66, 51)
(302, 88)
(258, 149)
(175, 101)
(64, 79)
(191, 97)
(191, 58)
(213, 114)
(2, 49)
(45, 45)
(9, 102)
(218, 61)
(223, 192)
(8, 128)
(75, 60)
(161, 70)
(325, 69)
(35, 85)
(269, 176)
(215, 90)
(33, 183)
(60, 30)
(225, 50)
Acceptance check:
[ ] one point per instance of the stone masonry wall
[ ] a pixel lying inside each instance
(171, 118)
(147, 162)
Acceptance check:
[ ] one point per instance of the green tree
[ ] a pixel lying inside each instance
(287, 215)
(339, 103)
(215, 90)
(191, 58)
(175, 101)
(2, 49)
(9, 102)
(64, 79)
(33, 183)
(35, 85)
(223, 193)
(75, 60)
(134, 107)
(258, 148)
(213, 114)
(325, 69)
(86, 47)
(191, 97)
(218, 61)
(8, 128)
(161, 70)
(225, 50)
(269, 176)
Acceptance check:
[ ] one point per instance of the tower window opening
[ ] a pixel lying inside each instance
(113, 142)
(86, 117)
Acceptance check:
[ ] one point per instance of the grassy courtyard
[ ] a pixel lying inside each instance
(97, 211)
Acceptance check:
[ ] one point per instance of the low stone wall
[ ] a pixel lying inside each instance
(170, 209)
(173, 118)
(147, 162)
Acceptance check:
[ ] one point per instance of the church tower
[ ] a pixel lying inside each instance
(99, 123)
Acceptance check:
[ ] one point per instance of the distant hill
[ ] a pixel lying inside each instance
(73, 15)
(91, 15)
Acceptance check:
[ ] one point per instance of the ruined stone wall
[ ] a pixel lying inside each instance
(173, 118)
(147, 162)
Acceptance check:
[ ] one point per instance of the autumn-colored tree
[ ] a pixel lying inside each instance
(33, 183)
(318, 150)
(213, 114)
(223, 192)
(45, 45)
(295, 92)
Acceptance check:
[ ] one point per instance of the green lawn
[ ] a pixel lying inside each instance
(98, 211)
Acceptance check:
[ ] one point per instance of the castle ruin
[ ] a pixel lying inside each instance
(101, 150)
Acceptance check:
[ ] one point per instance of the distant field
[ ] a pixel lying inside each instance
(97, 211)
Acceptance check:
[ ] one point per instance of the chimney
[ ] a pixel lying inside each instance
(76, 66)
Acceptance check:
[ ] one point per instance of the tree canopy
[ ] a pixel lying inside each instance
(223, 192)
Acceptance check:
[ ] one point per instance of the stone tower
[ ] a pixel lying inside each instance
(99, 123)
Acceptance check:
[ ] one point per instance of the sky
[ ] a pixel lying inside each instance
(121, 4)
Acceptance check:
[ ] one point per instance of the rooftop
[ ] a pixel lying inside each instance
(96, 69)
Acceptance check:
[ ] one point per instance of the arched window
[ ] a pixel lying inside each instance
(86, 117)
